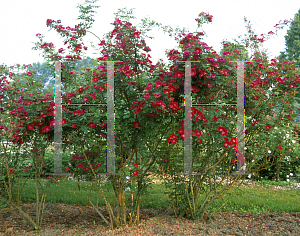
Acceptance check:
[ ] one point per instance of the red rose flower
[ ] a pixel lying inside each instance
(174, 140)
(197, 51)
(30, 127)
(226, 143)
(198, 133)
(136, 124)
(181, 131)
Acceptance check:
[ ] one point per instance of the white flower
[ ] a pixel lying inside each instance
(287, 176)
(280, 132)
(293, 141)
(269, 151)
(252, 160)
(127, 177)
(288, 180)
(245, 148)
(291, 174)
(249, 176)
(275, 128)
(287, 135)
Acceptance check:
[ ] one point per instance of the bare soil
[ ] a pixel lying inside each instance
(62, 219)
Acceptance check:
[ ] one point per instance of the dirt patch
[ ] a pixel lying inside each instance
(62, 219)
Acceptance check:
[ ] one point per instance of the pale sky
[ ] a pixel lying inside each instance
(22, 20)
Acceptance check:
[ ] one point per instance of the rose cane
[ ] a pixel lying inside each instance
(20, 112)
(52, 107)
(13, 125)
(29, 128)
(13, 113)
(39, 145)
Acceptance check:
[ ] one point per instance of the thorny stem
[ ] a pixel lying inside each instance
(107, 203)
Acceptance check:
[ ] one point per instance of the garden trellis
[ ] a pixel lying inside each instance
(241, 165)
(110, 122)
(240, 120)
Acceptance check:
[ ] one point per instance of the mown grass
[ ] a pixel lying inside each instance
(238, 199)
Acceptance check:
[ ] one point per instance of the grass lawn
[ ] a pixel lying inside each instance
(252, 200)
(238, 199)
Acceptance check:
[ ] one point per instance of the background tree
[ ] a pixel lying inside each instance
(292, 51)
(292, 42)
(46, 72)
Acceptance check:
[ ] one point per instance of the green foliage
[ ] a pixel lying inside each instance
(45, 73)
(144, 136)
(276, 164)
(285, 170)
(238, 199)
(49, 163)
(242, 51)
(87, 13)
(292, 43)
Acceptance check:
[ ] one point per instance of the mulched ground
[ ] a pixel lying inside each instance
(62, 219)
